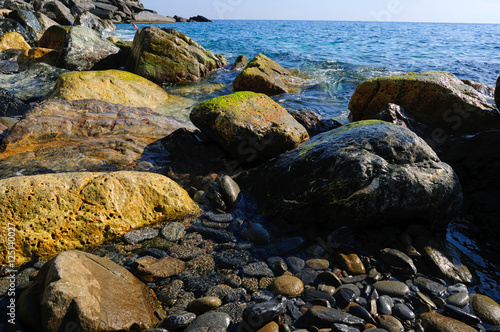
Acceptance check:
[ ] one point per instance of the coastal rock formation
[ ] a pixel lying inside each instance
(152, 18)
(32, 84)
(9, 25)
(437, 99)
(84, 49)
(249, 126)
(199, 18)
(92, 135)
(89, 20)
(169, 56)
(36, 55)
(56, 11)
(12, 40)
(263, 75)
(54, 37)
(240, 63)
(362, 174)
(57, 212)
(114, 86)
(313, 122)
(28, 20)
(497, 94)
(80, 291)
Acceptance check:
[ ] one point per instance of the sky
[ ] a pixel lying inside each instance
(454, 11)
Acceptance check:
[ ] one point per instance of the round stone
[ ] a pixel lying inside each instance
(458, 299)
(486, 308)
(289, 286)
(351, 263)
(392, 288)
(318, 264)
(270, 327)
(139, 235)
(205, 304)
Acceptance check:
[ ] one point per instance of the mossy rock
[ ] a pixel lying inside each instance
(249, 126)
(437, 99)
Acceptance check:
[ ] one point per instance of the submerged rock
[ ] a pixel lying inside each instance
(169, 56)
(437, 99)
(87, 292)
(240, 63)
(361, 174)
(248, 126)
(263, 75)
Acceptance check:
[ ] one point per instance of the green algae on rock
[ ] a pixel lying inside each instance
(437, 99)
(249, 126)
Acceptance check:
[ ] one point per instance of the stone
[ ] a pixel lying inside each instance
(150, 18)
(488, 91)
(45, 21)
(486, 308)
(403, 312)
(434, 322)
(10, 105)
(204, 304)
(257, 269)
(458, 299)
(430, 287)
(240, 63)
(169, 294)
(32, 84)
(210, 319)
(180, 19)
(385, 304)
(258, 233)
(13, 40)
(84, 49)
(277, 264)
(58, 212)
(318, 264)
(399, 116)
(392, 288)
(323, 317)
(28, 20)
(232, 258)
(310, 295)
(199, 18)
(296, 264)
(115, 86)
(313, 122)
(398, 260)
(497, 93)
(173, 231)
(437, 99)
(226, 120)
(263, 75)
(351, 263)
(54, 37)
(91, 135)
(58, 12)
(136, 236)
(168, 56)
(389, 323)
(81, 291)
(180, 319)
(231, 192)
(367, 173)
(286, 285)
(149, 269)
(445, 265)
(260, 314)
(36, 55)
(89, 20)
(9, 25)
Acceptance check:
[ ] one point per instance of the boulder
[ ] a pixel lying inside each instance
(36, 55)
(58, 12)
(366, 173)
(199, 18)
(9, 25)
(434, 322)
(93, 22)
(249, 126)
(486, 308)
(399, 116)
(53, 213)
(54, 37)
(437, 99)
(80, 291)
(82, 6)
(263, 75)
(240, 63)
(10, 105)
(114, 86)
(488, 91)
(497, 94)
(32, 84)
(18, 4)
(313, 122)
(92, 135)
(150, 17)
(28, 20)
(84, 49)
(13, 40)
(168, 56)
(45, 21)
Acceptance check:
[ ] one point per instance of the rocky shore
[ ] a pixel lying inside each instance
(124, 212)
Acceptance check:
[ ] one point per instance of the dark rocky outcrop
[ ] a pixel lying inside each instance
(240, 63)
(57, 11)
(169, 56)
(313, 122)
(54, 37)
(9, 25)
(152, 18)
(199, 18)
(28, 20)
(180, 19)
(361, 174)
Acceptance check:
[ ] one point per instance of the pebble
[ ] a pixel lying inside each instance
(430, 287)
(139, 235)
(351, 263)
(153, 252)
(258, 269)
(158, 243)
(437, 322)
(185, 251)
(361, 312)
(277, 264)
(307, 275)
(234, 310)
(389, 323)
(230, 190)
(404, 313)
(354, 288)
(204, 304)
(323, 317)
(173, 231)
(336, 327)
(374, 275)
(218, 217)
(210, 319)
(344, 296)
(250, 284)
(354, 280)
(392, 288)
(295, 264)
(289, 286)
(232, 258)
(149, 268)
(330, 278)
(461, 315)
(290, 246)
(218, 235)
(310, 295)
(398, 260)
(169, 294)
(270, 327)
(458, 288)
(425, 303)
(318, 264)
(260, 314)
(486, 308)
(258, 233)
(180, 319)
(458, 299)
(330, 290)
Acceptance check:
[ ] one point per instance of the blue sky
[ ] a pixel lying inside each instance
(462, 11)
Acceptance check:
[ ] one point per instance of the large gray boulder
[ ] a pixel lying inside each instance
(169, 56)
(57, 11)
(365, 173)
(28, 20)
(89, 20)
(80, 291)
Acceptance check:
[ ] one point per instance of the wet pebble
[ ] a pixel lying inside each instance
(355, 279)
(234, 310)
(230, 190)
(307, 275)
(344, 296)
(318, 264)
(323, 317)
(277, 264)
(361, 312)
(392, 288)
(461, 315)
(430, 287)
(232, 258)
(310, 295)
(157, 243)
(139, 235)
(258, 269)
(210, 319)
(180, 319)
(258, 233)
(173, 231)
(264, 312)
(404, 313)
(289, 286)
(330, 290)
(385, 304)
(351, 263)
(169, 294)
(290, 246)
(336, 327)
(389, 323)
(457, 288)
(458, 299)
(185, 251)
(263, 295)
(437, 322)
(423, 303)
(218, 235)
(204, 304)
(398, 260)
(354, 288)
(330, 278)
(153, 252)
(486, 308)
(295, 264)
(149, 268)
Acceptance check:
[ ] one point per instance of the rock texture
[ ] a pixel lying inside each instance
(9, 25)
(265, 76)
(363, 173)
(80, 291)
(12, 40)
(249, 126)
(115, 86)
(169, 56)
(57, 212)
(54, 37)
(10, 105)
(36, 55)
(65, 136)
(28, 20)
(486, 308)
(150, 17)
(434, 322)
(89, 20)
(437, 99)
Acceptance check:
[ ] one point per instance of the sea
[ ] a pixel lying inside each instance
(334, 57)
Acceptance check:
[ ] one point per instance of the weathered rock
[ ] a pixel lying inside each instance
(58, 12)
(459, 299)
(486, 308)
(180, 19)
(173, 231)
(392, 288)
(77, 290)
(81, 6)
(10, 105)
(45, 21)
(429, 287)
(136, 236)
(36, 55)
(150, 17)
(488, 91)
(12, 40)
(168, 56)
(289, 286)
(437, 99)
(398, 260)
(58, 212)
(19, 4)
(54, 37)
(323, 317)
(260, 314)
(89, 20)
(364, 173)
(249, 126)
(84, 49)
(240, 63)
(28, 20)
(263, 75)
(91, 135)
(204, 304)
(32, 84)
(434, 322)
(313, 122)
(9, 25)
(396, 114)
(150, 269)
(115, 86)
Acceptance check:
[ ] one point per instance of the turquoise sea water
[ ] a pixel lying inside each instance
(336, 56)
